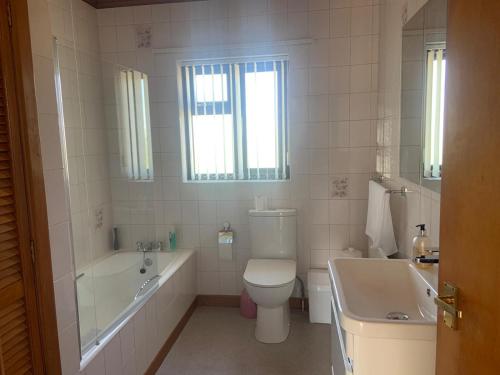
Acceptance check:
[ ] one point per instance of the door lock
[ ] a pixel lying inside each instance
(448, 302)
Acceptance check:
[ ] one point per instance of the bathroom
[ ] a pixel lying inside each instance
(161, 238)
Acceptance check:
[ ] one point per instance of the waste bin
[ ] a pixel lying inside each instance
(320, 294)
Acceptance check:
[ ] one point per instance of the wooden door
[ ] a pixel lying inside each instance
(21, 349)
(470, 200)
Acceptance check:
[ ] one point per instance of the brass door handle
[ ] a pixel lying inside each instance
(448, 303)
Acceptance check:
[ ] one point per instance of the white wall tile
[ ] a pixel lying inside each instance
(68, 347)
(97, 366)
(340, 51)
(361, 50)
(339, 77)
(319, 24)
(361, 78)
(124, 15)
(361, 20)
(65, 301)
(339, 237)
(320, 237)
(339, 212)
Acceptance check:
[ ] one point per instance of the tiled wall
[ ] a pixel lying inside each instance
(423, 205)
(333, 86)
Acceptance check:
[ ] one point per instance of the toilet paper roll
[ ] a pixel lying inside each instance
(226, 251)
(261, 203)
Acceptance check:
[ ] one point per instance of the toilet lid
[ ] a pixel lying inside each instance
(270, 272)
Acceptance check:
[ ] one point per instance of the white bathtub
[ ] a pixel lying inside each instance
(113, 289)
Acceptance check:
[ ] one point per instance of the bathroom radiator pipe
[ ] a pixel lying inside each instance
(302, 292)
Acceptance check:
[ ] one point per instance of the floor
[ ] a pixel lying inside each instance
(217, 340)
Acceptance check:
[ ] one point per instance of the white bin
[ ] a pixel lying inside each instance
(320, 294)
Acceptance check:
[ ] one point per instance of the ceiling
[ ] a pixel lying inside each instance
(99, 4)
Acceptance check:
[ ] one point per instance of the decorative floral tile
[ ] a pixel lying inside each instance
(339, 186)
(144, 35)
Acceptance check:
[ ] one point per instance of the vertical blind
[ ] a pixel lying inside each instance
(136, 150)
(434, 112)
(234, 120)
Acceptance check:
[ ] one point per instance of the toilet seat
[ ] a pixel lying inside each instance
(270, 273)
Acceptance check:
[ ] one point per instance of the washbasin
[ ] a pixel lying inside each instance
(384, 317)
(384, 297)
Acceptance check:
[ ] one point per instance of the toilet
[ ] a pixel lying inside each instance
(270, 273)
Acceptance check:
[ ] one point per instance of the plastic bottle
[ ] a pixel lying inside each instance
(422, 245)
(172, 240)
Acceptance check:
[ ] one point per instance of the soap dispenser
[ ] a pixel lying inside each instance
(421, 246)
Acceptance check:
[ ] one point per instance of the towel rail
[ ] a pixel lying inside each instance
(401, 191)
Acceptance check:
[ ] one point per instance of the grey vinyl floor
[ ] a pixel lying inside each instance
(217, 340)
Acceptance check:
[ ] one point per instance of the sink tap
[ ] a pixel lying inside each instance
(431, 259)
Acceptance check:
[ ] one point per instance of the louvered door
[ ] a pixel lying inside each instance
(20, 349)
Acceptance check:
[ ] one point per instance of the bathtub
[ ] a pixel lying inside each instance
(115, 287)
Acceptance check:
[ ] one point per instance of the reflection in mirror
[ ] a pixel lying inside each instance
(422, 95)
(133, 119)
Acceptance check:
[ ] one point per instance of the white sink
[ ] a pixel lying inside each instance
(366, 293)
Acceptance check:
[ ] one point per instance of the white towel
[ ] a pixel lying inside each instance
(379, 220)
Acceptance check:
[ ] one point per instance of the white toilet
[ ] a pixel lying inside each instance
(270, 275)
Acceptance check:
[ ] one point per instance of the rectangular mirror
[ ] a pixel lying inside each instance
(423, 73)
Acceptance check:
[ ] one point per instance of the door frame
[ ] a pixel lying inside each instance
(31, 157)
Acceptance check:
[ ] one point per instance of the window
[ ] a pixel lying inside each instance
(434, 111)
(234, 120)
(135, 146)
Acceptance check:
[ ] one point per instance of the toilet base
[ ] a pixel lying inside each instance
(273, 324)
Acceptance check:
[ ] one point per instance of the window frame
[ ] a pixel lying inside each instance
(235, 105)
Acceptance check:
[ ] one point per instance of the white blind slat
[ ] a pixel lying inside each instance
(437, 114)
(428, 113)
(214, 119)
(223, 119)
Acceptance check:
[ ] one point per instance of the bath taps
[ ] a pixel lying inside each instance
(150, 246)
(139, 246)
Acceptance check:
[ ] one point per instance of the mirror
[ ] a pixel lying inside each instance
(423, 72)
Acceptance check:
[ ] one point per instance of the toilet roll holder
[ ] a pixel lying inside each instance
(226, 234)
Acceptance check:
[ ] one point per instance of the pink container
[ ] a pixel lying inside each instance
(248, 308)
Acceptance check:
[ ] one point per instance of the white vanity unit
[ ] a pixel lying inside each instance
(383, 317)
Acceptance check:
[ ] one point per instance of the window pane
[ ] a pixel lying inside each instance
(211, 87)
(213, 144)
(261, 98)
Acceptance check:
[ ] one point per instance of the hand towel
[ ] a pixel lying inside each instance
(379, 219)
